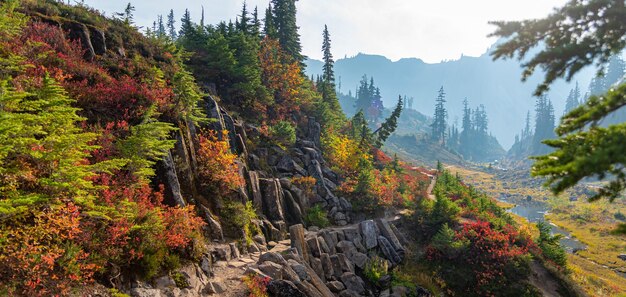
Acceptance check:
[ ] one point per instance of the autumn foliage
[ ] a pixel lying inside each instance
(216, 163)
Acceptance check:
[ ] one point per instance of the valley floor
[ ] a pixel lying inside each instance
(597, 269)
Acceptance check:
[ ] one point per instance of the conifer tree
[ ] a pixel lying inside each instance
(243, 23)
(256, 23)
(171, 25)
(269, 26)
(284, 16)
(389, 126)
(160, 27)
(186, 25)
(439, 123)
(327, 83)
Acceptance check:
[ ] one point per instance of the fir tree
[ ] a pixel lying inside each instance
(256, 23)
(439, 123)
(186, 25)
(284, 14)
(389, 126)
(171, 25)
(269, 27)
(243, 24)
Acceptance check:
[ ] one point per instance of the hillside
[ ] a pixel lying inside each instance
(204, 162)
(496, 85)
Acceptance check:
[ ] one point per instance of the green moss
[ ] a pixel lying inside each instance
(180, 280)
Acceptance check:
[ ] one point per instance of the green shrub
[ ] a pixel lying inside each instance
(180, 280)
(376, 268)
(238, 216)
(316, 216)
(283, 133)
(550, 245)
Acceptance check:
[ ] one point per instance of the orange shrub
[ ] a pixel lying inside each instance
(40, 255)
(217, 168)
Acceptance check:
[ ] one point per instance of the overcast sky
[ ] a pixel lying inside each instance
(427, 29)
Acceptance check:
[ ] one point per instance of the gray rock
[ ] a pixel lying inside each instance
(272, 199)
(359, 260)
(345, 205)
(319, 283)
(353, 282)
(300, 270)
(347, 248)
(144, 292)
(214, 225)
(335, 286)
(358, 243)
(314, 246)
(370, 234)
(283, 288)
(259, 239)
(272, 269)
(215, 288)
(327, 266)
(253, 248)
(388, 250)
(206, 265)
(331, 240)
(349, 293)
(400, 291)
(255, 191)
(272, 257)
(164, 282)
(622, 257)
(351, 233)
(341, 264)
(293, 213)
(323, 246)
(316, 265)
(314, 131)
(221, 253)
(234, 251)
(387, 232)
(296, 233)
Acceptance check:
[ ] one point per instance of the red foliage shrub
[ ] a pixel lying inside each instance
(216, 163)
(40, 254)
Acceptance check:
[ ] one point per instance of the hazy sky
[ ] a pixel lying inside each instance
(433, 30)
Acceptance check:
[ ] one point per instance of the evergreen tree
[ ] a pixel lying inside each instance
(171, 25)
(186, 25)
(160, 28)
(128, 14)
(389, 126)
(527, 129)
(269, 27)
(439, 123)
(544, 124)
(572, 99)
(284, 16)
(329, 92)
(256, 23)
(243, 24)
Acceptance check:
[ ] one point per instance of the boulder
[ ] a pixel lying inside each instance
(272, 199)
(283, 288)
(347, 248)
(349, 293)
(359, 260)
(316, 265)
(387, 232)
(388, 250)
(234, 251)
(296, 233)
(255, 191)
(300, 270)
(314, 246)
(370, 234)
(335, 286)
(341, 264)
(327, 266)
(214, 226)
(271, 269)
(331, 240)
(314, 131)
(353, 282)
(293, 212)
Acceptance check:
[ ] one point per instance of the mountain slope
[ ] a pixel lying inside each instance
(495, 84)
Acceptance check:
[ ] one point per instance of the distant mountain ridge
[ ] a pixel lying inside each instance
(497, 85)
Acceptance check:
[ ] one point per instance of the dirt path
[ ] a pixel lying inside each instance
(543, 280)
(433, 182)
